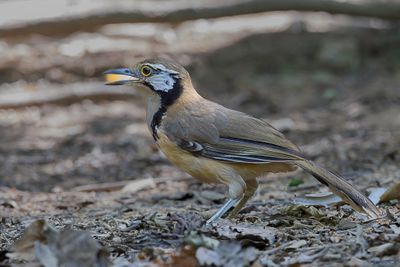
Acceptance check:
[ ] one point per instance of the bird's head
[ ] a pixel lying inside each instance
(161, 77)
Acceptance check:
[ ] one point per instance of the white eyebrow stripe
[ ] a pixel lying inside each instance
(163, 68)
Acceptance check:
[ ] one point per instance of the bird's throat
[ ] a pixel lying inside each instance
(166, 99)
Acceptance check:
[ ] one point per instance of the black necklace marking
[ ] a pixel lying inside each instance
(167, 99)
(155, 122)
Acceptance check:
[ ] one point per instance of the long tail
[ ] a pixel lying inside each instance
(342, 188)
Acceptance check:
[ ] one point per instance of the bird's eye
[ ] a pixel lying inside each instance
(146, 71)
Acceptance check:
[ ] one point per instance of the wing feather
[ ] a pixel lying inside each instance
(213, 131)
(240, 152)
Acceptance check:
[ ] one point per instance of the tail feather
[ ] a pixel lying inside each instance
(342, 188)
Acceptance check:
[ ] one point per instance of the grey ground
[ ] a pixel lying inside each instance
(336, 94)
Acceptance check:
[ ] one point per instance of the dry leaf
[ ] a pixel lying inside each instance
(375, 194)
(198, 240)
(208, 257)
(296, 245)
(24, 248)
(42, 243)
(226, 254)
(186, 257)
(299, 210)
(356, 262)
(241, 231)
(328, 198)
(392, 192)
(386, 249)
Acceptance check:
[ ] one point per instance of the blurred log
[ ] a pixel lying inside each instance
(184, 11)
(64, 95)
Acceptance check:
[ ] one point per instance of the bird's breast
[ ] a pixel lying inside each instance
(207, 170)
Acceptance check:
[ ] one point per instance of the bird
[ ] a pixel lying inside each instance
(219, 145)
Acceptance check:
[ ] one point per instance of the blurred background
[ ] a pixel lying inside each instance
(329, 80)
(72, 150)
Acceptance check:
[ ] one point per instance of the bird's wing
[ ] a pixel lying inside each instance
(240, 151)
(222, 134)
(213, 131)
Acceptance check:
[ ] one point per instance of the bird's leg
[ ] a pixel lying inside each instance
(251, 188)
(228, 204)
(236, 188)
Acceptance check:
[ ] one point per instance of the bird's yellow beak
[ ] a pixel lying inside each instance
(120, 76)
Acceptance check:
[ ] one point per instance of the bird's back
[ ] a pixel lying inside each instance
(207, 122)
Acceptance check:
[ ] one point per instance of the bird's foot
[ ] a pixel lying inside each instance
(228, 204)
